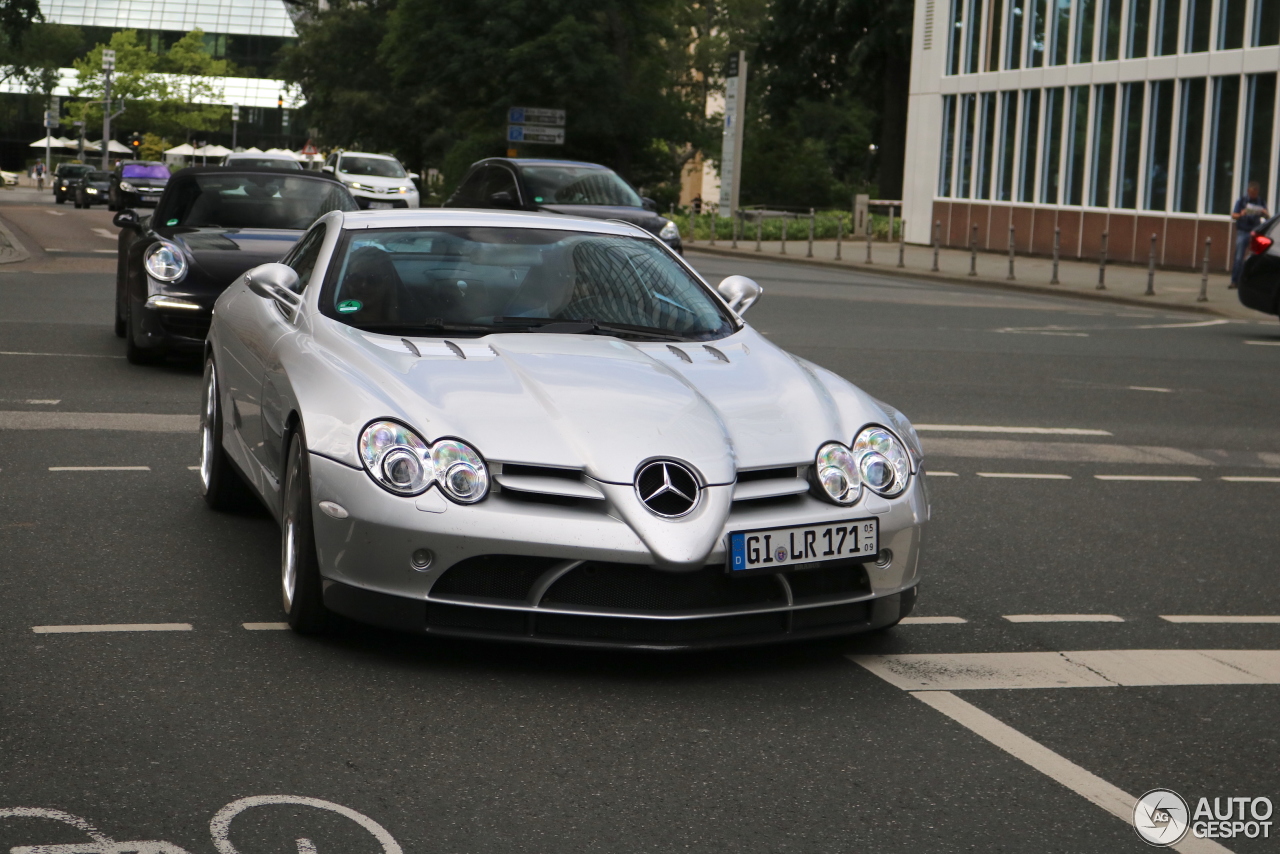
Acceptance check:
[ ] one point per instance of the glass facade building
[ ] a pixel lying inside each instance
(1130, 117)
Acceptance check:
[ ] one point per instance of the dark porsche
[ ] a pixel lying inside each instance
(211, 225)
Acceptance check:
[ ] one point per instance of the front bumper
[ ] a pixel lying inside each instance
(575, 574)
(397, 200)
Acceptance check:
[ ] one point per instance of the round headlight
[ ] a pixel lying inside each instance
(165, 262)
(883, 461)
(396, 458)
(837, 474)
(462, 474)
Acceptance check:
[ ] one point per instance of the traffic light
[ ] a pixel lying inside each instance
(280, 101)
(135, 143)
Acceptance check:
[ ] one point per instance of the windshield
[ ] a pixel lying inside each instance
(251, 200)
(145, 170)
(579, 185)
(378, 167)
(73, 171)
(473, 280)
(263, 162)
(98, 176)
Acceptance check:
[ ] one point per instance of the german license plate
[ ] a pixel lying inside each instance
(380, 206)
(772, 549)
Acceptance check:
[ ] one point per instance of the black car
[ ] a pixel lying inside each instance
(64, 180)
(1259, 286)
(91, 188)
(210, 226)
(560, 186)
(136, 183)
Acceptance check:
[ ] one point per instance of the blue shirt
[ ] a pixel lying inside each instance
(1249, 221)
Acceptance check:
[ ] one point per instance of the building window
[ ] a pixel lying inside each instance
(1139, 19)
(1266, 22)
(1222, 145)
(1159, 132)
(964, 170)
(1053, 103)
(1109, 32)
(1130, 148)
(1013, 40)
(1061, 26)
(1167, 14)
(994, 21)
(1030, 145)
(1035, 40)
(1260, 110)
(973, 20)
(1077, 137)
(955, 44)
(1104, 119)
(1190, 143)
(1230, 24)
(1084, 32)
(1199, 19)
(948, 138)
(1008, 145)
(986, 144)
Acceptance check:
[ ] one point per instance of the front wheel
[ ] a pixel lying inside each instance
(299, 563)
(59, 200)
(221, 484)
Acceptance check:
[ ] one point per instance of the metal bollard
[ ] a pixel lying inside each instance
(1057, 244)
(973, 250)
(785, 217)
(812, 220)
(759, 227)
(937, 235)
(1011, 250)
(839, 228)
(902, 242)
(870, 230)
(1204, 272)
(1102, 265)
(737, 227)
(1151, 269)
(714, 212)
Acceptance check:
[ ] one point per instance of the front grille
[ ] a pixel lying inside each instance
(785, 473)
(476, 619)
(843, 580)
(493, 577)
(834, 615)
(628, 587)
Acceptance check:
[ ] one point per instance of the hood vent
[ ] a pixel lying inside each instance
(770, 483)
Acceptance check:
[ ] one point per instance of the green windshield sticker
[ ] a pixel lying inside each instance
(538, 199)
(172, 222)
(347, 306)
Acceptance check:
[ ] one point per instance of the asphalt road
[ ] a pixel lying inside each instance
(452, 747)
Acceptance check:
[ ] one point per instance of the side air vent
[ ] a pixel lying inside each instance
(769, 483)
(537, 481)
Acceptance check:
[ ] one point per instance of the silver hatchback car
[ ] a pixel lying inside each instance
(550, 429)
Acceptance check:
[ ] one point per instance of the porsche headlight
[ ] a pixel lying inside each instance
(165, 262)
(670, 231)
(837, 473)
(126, 186)
(883, 462)
(401, 462)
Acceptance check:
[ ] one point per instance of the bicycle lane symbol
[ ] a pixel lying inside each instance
(219, 829)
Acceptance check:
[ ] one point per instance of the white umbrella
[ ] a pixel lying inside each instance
(118, 148)
(253, 150)
(47, 142)
(283, 152)
(214, 151)
(184, 150)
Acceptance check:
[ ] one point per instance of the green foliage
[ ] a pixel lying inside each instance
(34, 62)
(796, 226)
(153, 147)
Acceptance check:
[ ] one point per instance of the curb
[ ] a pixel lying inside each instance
(990, 284)
(11, 250)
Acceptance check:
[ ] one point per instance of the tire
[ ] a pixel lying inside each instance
(132, 352)
(59, 200)
(300, 585)
(77, 203)
(220, 483)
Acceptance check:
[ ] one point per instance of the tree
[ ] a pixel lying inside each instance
(17, 17)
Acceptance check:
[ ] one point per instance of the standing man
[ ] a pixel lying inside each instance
(1248, 213)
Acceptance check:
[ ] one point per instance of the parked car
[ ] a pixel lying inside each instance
(247, 160)
(65, 178)
(377, 181)
(560, 186)
(549, 429)
(8, 179)
(210, 225)
(91, 188)
(136, 183)
(1259, 286)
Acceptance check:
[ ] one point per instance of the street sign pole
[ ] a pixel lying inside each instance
(108, 66)
(235, 124)
(735, 110)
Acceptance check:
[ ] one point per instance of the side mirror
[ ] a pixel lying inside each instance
(327, 168)
(274, 281)
(503, 199)
(127, 218)
(413, 176)
(740, 292)
(649, 204)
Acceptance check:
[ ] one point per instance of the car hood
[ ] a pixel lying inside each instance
(221, 254)
(149, 183)
(648, 220)
(373, 180)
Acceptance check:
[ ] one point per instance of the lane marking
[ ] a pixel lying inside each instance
(58, 815)
(137, 421)
(1149, 477)
(932, 621)
(941, 474)
(220, 824)
(102, 232)
(980, 428)
(99, 468)
(1183, 325)
(1150, 388)
(193, 468)
(1063, 618)
(55, 213)
(1059, 452)
(1056, 767)
(1264, 343)
(112, 627)
(64, 355)
(1212, 618)
(1252, 479)
(266, 627)
(1021, 476)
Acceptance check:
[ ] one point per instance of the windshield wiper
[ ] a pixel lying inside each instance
(586, 327)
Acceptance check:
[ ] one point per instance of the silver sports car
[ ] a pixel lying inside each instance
(550, 429)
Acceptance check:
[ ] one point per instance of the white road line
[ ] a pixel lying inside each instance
(1183, 325)
(105, 251)
(1063, 618)
(1155, 477)
(941, 474)
(1022, 476)
(1264, 343)
(1150, 388)
(102, 232)
(55, 213)
(266, 627)
(1212, 618)
(99, 468)
(1007, 448)
(193, 468)
(138, 421)
(1252, 479)
(61, 355)
(1058, 768)
(979, 428)
(932, 621)
(112, 627)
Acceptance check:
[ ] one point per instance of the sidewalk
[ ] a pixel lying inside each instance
(1124, 283)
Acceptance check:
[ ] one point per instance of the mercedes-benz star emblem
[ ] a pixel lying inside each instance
(667, 489)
